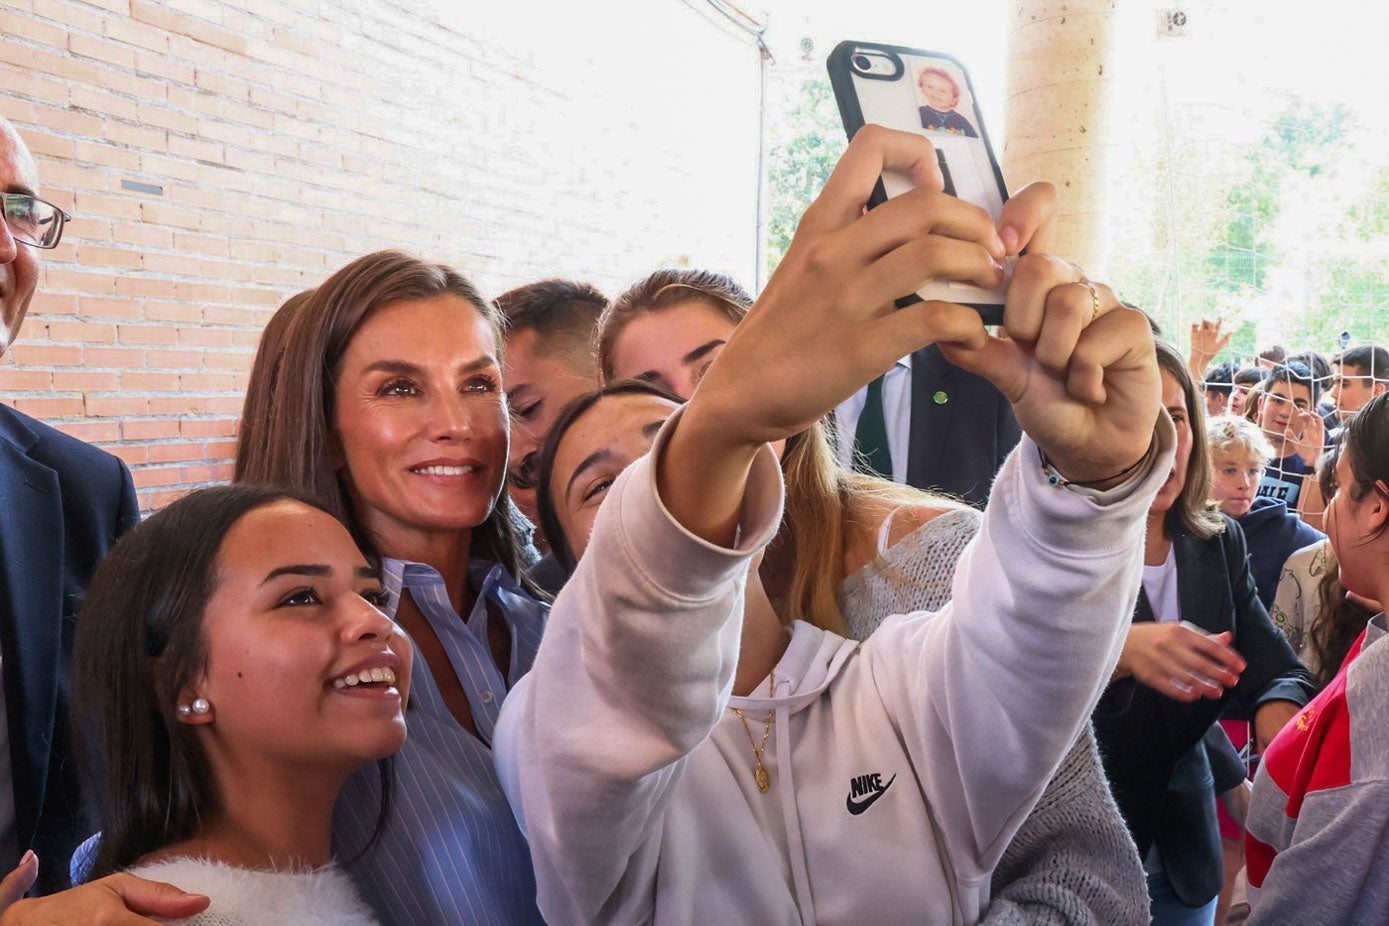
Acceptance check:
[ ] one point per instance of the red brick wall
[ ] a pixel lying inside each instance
(286, 140)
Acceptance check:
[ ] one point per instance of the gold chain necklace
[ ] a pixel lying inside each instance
(759, 773)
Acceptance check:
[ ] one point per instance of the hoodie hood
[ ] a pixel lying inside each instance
(1272, 533)
(1262, 513)
(812, 660)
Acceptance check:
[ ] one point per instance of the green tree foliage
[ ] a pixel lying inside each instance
(1350, 286)
(1240, 262)
(804, 147)
(1302, 145)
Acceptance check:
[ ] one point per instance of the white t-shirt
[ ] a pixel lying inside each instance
(1160, 585)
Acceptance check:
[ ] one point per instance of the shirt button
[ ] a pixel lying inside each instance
(486, 697)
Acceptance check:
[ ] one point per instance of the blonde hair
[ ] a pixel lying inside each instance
(662, 290)
(1231, 434)
(823, 497)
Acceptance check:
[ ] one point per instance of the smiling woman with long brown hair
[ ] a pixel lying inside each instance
(388, 410)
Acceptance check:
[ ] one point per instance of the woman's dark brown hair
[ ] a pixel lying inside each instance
(1366, 443)
(265, 369)
(295, 448)
(1193, 511)
(1337, 622)
(139, 641)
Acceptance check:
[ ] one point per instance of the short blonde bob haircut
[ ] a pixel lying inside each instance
(1232, 435)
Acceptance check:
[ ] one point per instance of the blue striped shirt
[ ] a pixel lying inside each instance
(451, 852)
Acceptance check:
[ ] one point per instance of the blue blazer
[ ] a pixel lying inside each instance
(63, 503)
(957, 445)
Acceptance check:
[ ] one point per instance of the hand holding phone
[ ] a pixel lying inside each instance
(928, 93)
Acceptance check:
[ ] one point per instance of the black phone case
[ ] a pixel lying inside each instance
(851, 114)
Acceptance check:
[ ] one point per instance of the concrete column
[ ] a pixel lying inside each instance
(1057, 116)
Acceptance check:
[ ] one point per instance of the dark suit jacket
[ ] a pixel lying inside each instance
(62, 504)
(1152, 745)
(957, 445)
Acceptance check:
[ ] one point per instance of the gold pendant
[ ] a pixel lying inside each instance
(764, 781)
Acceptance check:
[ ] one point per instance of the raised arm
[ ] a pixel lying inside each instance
(1072, 861)
(638, 658)
(635, 670)
(1207, 340)
(992, 691)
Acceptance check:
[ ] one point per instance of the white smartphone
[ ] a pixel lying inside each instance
(930, 93)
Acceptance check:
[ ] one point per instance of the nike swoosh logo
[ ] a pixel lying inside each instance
(861, 806)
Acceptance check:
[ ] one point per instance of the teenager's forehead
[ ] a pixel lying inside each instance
(1296, 390)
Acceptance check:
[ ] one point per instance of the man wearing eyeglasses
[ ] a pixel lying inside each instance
(62, 504)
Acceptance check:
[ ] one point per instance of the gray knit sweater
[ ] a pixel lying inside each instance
(1073, 861)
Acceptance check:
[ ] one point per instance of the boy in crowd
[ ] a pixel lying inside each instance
(1289, 419)
(1239, 454)
(1217, 385)
(1358, 375)
(1272, 357)
(546, 361)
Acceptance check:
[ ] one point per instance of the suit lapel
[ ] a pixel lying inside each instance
(31, 615)
(1196, 583)
(1143, 610)
(930, 419)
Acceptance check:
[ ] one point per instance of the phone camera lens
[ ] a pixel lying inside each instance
(862, 63)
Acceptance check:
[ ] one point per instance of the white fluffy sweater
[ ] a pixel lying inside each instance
(254, 897)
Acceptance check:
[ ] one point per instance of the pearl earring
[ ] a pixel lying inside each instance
(200, 706)
(184, 710)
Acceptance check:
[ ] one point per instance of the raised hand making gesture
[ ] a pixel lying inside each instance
(1306, 435)
(1207, 340)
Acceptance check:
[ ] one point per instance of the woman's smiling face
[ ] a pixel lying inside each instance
(289, 630)
(420, 421)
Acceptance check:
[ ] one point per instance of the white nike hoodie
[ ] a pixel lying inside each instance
(901, 767)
